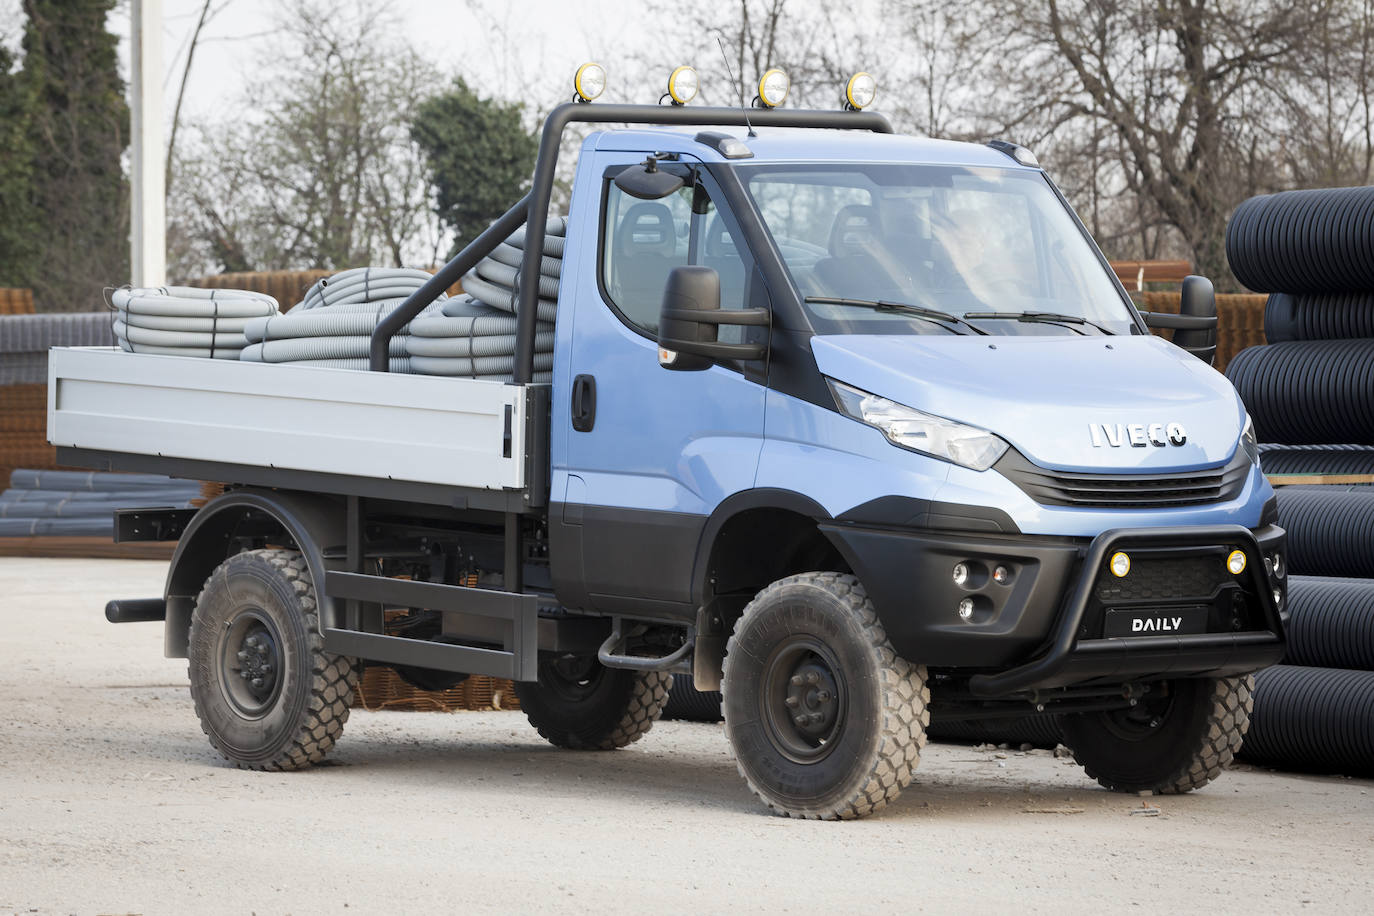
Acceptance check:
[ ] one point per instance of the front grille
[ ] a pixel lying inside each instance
(1163, 579)
(1125, 491)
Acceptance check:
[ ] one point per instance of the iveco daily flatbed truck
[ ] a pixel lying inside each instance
(858, 428)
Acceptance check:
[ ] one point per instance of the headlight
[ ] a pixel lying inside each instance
(1249, 442)
(968, 446)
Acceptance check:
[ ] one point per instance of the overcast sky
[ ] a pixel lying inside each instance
(538, 42)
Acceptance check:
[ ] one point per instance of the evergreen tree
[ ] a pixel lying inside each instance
(78, 128)
(480, 157)
(18, 215)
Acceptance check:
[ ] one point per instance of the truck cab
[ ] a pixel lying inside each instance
(858, 428)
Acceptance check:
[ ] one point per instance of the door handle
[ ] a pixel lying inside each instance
(583, 403)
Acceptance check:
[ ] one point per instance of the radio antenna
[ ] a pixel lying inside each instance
(739, 87)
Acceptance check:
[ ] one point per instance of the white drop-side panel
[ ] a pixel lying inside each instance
(336, 421)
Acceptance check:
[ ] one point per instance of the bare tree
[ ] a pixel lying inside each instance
(317, 168)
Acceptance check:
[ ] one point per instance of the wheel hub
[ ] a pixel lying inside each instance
(812, 698)
(803, 699)
(251, 662)
(257, 656)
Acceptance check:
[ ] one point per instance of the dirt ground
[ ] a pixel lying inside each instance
(112, 801)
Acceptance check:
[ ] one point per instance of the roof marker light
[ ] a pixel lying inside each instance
(860, 92)
(773, 88)
(1017, 152)
(683, 84)
(589, 81)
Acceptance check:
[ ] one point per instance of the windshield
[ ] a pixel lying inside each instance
(965, 241)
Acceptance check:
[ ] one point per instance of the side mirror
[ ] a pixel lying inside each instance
(1195, 325)
(690, 319)
(646, 182)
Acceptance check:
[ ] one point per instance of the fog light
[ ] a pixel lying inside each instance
(1120, 565)
(1235, 562)
(1001, 575)
(1278, 564)
(960, 574)
(966, 609)
(1278, 598)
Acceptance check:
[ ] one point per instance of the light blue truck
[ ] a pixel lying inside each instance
(858, 428)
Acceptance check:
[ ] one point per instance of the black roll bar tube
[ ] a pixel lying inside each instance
(541, 193)
(446, 276)
(533, 208)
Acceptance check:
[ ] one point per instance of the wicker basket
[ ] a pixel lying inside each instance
(383, 688)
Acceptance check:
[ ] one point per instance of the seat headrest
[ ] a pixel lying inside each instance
(647, 229)
(855, 230)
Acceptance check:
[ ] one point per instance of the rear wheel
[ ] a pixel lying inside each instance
(268, 696)
(580, 704)
(1178, 738)
(825, 719)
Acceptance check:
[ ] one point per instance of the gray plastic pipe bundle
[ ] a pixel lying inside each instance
(467, 338)
(493, 280)
(187, 321)
(83, 503)
(332, 326)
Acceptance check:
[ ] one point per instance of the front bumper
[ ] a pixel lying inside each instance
(1045, 625)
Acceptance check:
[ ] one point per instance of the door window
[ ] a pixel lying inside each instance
(642, 240)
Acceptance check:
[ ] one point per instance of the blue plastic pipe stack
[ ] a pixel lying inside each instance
(83, 502)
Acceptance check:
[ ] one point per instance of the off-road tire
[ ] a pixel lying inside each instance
(294, 723)
(822, 623)
(1197, 736)
(582, 705)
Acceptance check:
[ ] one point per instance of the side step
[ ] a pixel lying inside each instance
(518, 659)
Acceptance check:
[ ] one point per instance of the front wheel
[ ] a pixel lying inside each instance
(1177, 738)
(825, 719)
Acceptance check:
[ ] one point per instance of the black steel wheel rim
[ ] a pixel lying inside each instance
(804, 699)
(1141, 721)
(574, 677)
(251, 662)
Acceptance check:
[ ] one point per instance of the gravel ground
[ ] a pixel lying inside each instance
(112, 801)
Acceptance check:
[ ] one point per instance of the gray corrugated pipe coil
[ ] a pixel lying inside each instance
(1308, 392)
(1330, 623)
(1316, 241)
(1330, 316)
(186, 321)
(1329, 533)
(1319, 719)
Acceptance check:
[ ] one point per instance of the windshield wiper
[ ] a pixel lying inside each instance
(1044, 317)
(883, 305)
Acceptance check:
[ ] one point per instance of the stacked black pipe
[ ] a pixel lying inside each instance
(1310, 391)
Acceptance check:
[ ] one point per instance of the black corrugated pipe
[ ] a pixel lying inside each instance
(1334, 459)
(1308, 392)
(1329, 533)
(1333, 316)
(1330, 623)
(1318, 241)
(1041, 731)
(1318, 719)
(686, 702)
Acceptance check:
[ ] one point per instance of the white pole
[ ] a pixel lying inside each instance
(148, 217)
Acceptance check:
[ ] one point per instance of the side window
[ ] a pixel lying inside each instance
(645, 239)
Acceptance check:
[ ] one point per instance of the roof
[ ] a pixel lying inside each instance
(793, 144)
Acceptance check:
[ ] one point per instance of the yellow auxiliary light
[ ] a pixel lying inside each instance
(683, 84)
(1120, 565)
(589, 82)
(773, 88)
(1235, 562)
(860, 92)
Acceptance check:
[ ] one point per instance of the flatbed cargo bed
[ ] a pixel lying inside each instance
(271, 424)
